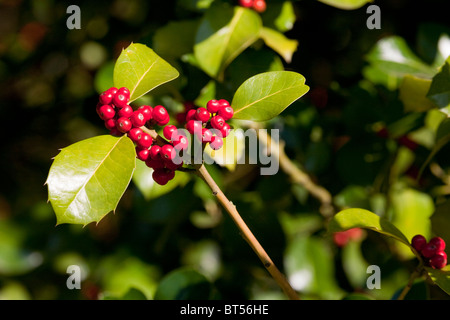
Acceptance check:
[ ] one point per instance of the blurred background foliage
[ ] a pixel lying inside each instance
(363, 132)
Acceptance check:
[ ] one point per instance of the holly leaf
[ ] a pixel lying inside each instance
(88, 178)
(360, 218)
(224, 32)
(346, 4)
(439, 91)
(141, 70)
(285, 47)
(440, 277)
(266, 95)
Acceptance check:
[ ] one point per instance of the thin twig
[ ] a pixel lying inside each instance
(297, 175)
(408, 286)
(247, 234)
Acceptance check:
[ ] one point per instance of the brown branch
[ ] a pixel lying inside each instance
(297, 175)
(247, 234)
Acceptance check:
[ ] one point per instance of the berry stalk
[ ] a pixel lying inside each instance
(247, 234)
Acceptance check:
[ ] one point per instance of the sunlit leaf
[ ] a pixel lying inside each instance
(140, 69)
(266, 95)
(280, 43)
(88, 178)
(346, 4)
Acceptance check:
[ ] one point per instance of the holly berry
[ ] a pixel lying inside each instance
(106, 112)
(428, 250)
(142, 153)
(246, 3)
(216, 143)
(259, 6)
(213, 105)
(107, 96)
(194, 126)
(180, 142)
(439, 243)
(138, 119)
(169, 164)
(206, 135)
(191, 115)
(126, 111)
(226, 113)
(160, 115)
(135, 134)
(145, 141)
(169, 132)
(155, 163)
(225, 131)
(418, 242)
(202, 114)
(155, 152)
(162, 176)
(123, 124)
(439, 260)
(217, 122)
(121, 97)
(147, 111)
(110, 124)
(168, 152)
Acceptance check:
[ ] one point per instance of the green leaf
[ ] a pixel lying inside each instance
(346, 4)
(184, 284)
(413, 93)
(412, 212)
(360, 218)
(281, 16)
(142, 178)
(440, 277)
(439, 91)
(140, 69)
(393, 56)
(88, 178)
(266, 95)
(442, 138)
(278, 42)
(225, 31)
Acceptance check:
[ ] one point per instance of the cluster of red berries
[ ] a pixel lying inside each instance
(257, 5)
(432, 252)
(207, 124)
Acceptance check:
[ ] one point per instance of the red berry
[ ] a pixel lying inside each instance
(226, 113)
(106, 112)
(106, 97)
(223, 103)
(135, 134)
(180, 142)
(161, 176)
(194, 127)
(246, 3)
(169, 132)
(171, 165)
(418, 242)
(428, 250)
(120, 100)
(123, 124)
(145, 141)
(439, 243)
(110, 124)
(115, 132)
(217, 122)
(155, 163)
(160, 114)
(138, 119)
(188, 105)
(191, 115)
(439, 260)
(259, 5)
(147, 111)
(142, 154)
(155, 152)
(126, 111)
(202, 115)
(168, 152)
(225, 131)
(216, 143)
(213, 106)
(206, 135)
(180, 117)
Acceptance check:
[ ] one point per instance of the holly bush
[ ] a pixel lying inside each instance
(354, 119)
